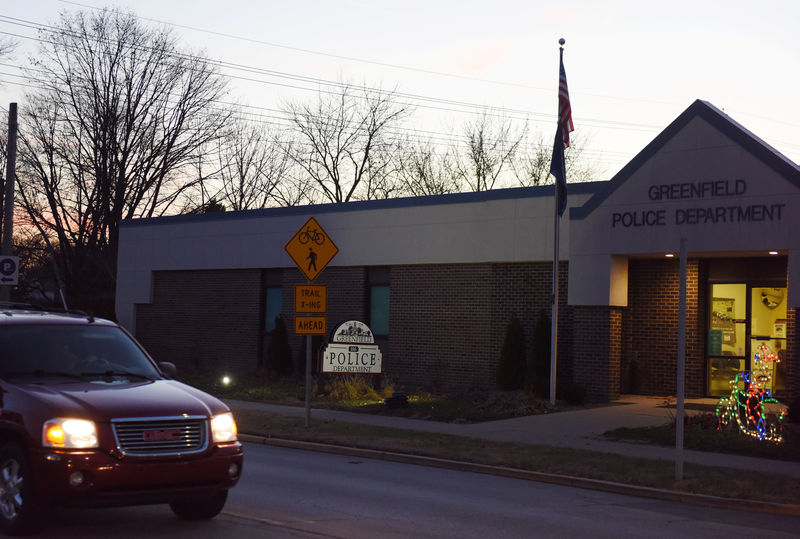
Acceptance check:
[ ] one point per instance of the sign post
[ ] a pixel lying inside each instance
(679, 413)
(311, 249)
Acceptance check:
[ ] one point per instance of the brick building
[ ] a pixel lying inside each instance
(438, 278)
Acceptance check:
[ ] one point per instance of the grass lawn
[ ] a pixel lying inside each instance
(701, 433)
(357, 395)
(555, 460)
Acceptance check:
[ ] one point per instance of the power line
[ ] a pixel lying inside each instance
(472, 107)
(372, 62)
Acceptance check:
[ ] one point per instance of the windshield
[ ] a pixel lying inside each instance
(71, 351)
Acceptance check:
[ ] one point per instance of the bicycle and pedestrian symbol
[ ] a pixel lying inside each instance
(311, 249)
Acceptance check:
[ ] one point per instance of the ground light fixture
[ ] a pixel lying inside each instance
(773, 253)
(670, 255)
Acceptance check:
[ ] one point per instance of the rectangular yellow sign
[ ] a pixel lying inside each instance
(310, 298)
(310, 325)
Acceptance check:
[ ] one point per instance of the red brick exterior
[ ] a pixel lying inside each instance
(792, 355)
(203, 319)
(650, 328)
(597, 350)
(447, 322)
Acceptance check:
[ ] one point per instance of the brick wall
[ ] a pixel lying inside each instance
(447, 322)
(650, 328)
(792, 356)
(203, 319)
(597, 350)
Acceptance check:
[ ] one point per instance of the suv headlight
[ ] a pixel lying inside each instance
(223, 428)
(69, 433)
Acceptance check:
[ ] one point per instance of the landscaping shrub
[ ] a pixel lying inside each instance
(538, 375)
(570, 392)
(300, 361)
(354, 388)
(279, 353)
(511, 367)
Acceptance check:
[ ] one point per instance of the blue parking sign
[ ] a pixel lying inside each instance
(9, 270)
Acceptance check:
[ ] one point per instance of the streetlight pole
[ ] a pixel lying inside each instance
(11, 176)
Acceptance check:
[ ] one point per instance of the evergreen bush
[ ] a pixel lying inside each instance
(279, 353)
(538, 375)
(511, 368)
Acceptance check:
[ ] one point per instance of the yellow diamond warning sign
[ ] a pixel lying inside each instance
(311, 249)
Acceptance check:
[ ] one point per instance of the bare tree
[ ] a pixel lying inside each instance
(345, 142)
(492, 144)
(122, 111)
(423, 171)
(7, 47)
(533, 166)
(252, 162)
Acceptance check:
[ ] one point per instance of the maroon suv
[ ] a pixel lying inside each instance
(88, 418)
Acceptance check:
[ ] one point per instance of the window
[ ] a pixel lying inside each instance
(379, 309)
(274, 306)
(379, 300)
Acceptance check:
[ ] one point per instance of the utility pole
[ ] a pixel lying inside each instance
(8, 208)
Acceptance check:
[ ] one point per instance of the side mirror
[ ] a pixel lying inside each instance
(168, 368)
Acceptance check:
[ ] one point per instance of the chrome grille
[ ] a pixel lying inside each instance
(161, 435)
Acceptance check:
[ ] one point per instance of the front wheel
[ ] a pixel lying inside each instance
(200, 508)
(19, 511)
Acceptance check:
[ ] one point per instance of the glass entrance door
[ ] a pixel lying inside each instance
(747, 331)
(727, 336)
(768, 337)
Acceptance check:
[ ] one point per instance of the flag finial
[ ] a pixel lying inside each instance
(562, 41)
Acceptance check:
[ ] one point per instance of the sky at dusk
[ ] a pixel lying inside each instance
(632, 66)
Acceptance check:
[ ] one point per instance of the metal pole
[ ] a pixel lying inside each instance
(681, 365)
(11, 164)
(11, 176)
(308, 377)
(554, 309)
(308, 381)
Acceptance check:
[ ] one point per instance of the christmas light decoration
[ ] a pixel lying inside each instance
(750, 404)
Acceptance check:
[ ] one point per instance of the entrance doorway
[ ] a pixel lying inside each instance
(746, 331)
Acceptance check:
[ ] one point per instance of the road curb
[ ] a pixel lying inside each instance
(543, 477)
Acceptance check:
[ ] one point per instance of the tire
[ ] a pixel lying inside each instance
(19, 510)
(200, 508)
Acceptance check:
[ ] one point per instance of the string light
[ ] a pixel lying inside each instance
(750, 404)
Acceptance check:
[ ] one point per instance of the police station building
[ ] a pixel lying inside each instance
(437, 278)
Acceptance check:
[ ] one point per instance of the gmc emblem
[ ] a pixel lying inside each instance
(170, 435)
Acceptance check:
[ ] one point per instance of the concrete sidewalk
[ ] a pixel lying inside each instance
(579, 428)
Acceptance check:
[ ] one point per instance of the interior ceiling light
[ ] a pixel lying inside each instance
(669, 255)
(773, 252)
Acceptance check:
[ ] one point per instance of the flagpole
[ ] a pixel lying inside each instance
(557, 203)
(554, 307)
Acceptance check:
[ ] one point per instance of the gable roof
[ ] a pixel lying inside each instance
(762, 151)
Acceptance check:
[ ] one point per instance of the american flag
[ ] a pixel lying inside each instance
(564, 108)
(558, 167)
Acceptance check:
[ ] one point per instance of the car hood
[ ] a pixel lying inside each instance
(102, 401)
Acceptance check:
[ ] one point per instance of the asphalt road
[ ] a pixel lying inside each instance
(294, 493)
